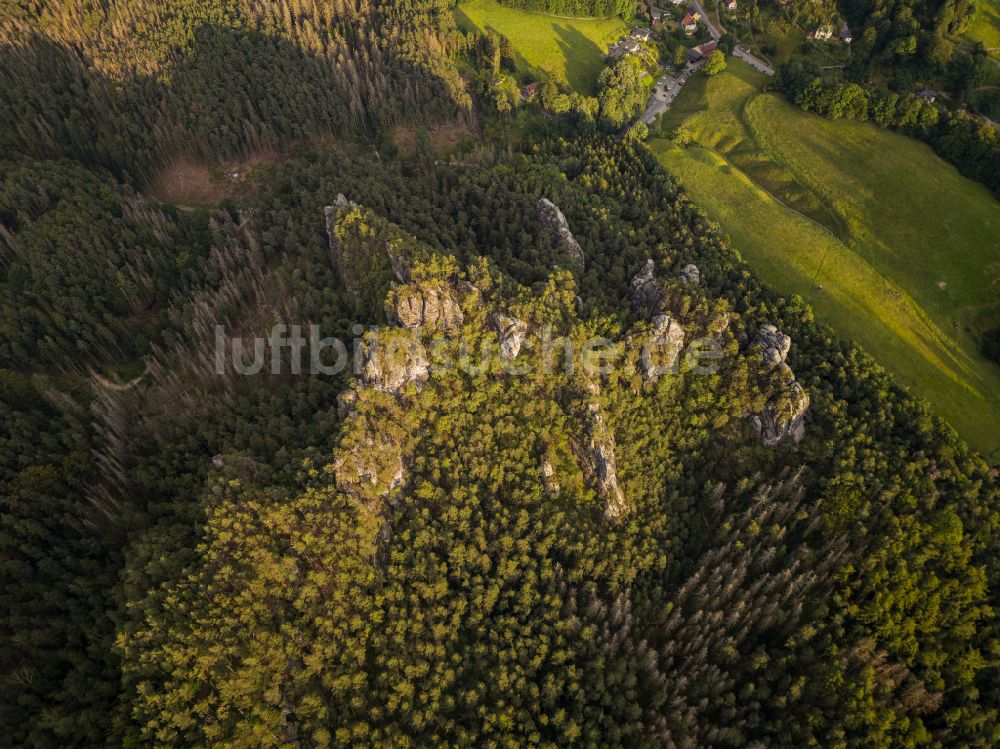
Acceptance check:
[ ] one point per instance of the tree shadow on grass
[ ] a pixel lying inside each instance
(526, 71)
(582, 56)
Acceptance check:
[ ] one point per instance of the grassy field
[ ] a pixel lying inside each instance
(985, 26)
(568, 50)
(887, 242)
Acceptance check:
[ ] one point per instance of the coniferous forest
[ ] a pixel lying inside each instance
(787, 550)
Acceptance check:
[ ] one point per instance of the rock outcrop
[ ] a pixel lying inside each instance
(601, 450)
(390, 362)
(429, 308)
(690, 274)
(332, 215)
(511, 333)
(644, 291)
(784, 414)
(783, 417)
(774, 344)
(551, 218)
(660, 354)
(549, 479)
(369, 252)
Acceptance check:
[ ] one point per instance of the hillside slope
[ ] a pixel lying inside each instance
(567, 50)
(885, 240)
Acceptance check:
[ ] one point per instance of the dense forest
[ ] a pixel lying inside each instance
(785, 549)
(580, 8)
(121, 85)
(909, 35)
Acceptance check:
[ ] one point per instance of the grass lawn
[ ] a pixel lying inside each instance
(785, 38)
(903, 248)
(985, 26)
(567, 50)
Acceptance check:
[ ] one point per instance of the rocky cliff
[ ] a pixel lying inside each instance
(552, 218)
(783, 416)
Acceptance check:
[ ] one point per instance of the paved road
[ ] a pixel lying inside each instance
(666, 90)
(739, 51)
(712, 31)
(668, 86)
(755, 62)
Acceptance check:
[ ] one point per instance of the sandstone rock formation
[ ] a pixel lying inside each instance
(690, 274)
(644, 291)
(511, 333)
(783, 415)
(390, 362)
(366, 249)
(660, 354)
(601, 450)
(551, 218)
(430, 308)
(774, 344)
(552, 487)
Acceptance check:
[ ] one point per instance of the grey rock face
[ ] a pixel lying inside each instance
(601, 450)
(550, 217)
(644, 292)
(390, 364)
(429, 308)
(660, 354)
(345, 404)
(784, 414)
(399, 264)
(511, 333)
(549, 479)
(690, 274)
(774, 344)
(783, 417)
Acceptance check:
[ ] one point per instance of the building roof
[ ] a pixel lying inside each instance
(703, 50)
(624, 46)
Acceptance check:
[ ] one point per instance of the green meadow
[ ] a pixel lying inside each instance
(985, 25)
(887, 242)
(567, 50)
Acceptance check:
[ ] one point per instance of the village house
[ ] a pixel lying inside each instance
(690, 22)
(641, 34)
(927, 94)
(530, 91)
(656, 16)
(822, 34)
(845, 33)
(729, 5)
(623, 47)
(702, 51)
